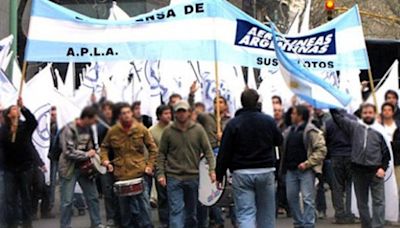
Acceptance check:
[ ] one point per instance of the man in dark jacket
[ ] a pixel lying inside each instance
(339, 150)
(370, 158)
(20, 158)
(248, 150)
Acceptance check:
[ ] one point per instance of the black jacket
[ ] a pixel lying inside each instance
(369, 149)
(337, 142)
(21, 154)
(248, 142)
(396, 145)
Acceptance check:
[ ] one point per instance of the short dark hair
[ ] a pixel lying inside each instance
(278, 98)
(135, 104)
(368, 105)
(88, 112)
(221, 97)
(175, 95)
(249, 98)
(118, 107)
(107, 103)
(160, 109)
(387, 104)
(303, 111)
(391, 92)
(199, 104)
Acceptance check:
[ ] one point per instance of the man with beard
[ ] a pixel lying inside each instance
(370, 158)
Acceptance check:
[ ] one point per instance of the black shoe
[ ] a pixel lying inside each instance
(81, 212)
(48, 215)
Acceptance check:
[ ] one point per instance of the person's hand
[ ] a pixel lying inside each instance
(20, 103)
(213, 177)
(219, 185)
(193, 88)
(162, 181)
(148, 170)
(93, 98)
(110, 168)
(219, 136)
(91, 153)
(302, 166)
(43, 169)
(380, 173)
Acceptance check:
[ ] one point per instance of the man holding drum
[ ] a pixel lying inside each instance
(128, 140)
(181, 146)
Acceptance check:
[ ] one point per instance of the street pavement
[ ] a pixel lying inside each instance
(282, 221)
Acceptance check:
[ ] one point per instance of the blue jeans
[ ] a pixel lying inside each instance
(182, 200)
(67, 194)
(254, 196)
(135, 210)
(301, 182)
(2, 200)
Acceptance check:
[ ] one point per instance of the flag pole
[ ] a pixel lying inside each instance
(21, 86)
(371, 83)
(217, 94)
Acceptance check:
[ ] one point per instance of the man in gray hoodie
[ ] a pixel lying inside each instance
(370, 158)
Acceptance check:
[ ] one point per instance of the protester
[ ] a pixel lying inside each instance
(281, 199)
(20, 158)
(392, 129)
(369, 160)
(339, 151)
(392, 97)
(128, 139)
(248, 151)
(77, 147)
(209, 123)
(174, 99)
(107, 180)
(181, 147)
(137, 114)
(2, 181)
(54, 154)
(164, 116)
(302, 158)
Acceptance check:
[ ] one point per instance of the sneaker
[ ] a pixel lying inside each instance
(110, 223)
(153, 203)
(321, 214)
(98, 226)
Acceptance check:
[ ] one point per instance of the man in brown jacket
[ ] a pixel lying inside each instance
(128, 140)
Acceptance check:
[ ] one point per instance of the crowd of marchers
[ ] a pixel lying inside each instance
(280, 164)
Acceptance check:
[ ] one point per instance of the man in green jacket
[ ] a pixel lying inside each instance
(182, 144)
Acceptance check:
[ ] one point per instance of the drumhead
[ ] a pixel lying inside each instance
(97, 164)
(209, 194)
(129, 182)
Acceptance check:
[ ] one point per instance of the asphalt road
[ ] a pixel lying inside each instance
(282, 221)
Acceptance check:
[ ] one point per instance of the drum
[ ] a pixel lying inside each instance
(209, 194)
(129, 187)
(92, 166)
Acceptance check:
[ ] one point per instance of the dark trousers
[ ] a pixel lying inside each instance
(110, 199)
(363, 183)
(326, 177)
(162, 201)
(18, 183)
(40, 191)
(341, 187)
(53, 181)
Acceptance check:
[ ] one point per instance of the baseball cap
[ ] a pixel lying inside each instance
(182, 105)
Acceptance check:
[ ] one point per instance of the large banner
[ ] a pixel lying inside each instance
(204, 30)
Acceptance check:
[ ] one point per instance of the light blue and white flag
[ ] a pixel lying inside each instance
(203, 30)
(313, 89)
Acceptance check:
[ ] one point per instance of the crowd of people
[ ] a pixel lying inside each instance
(270, 160)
